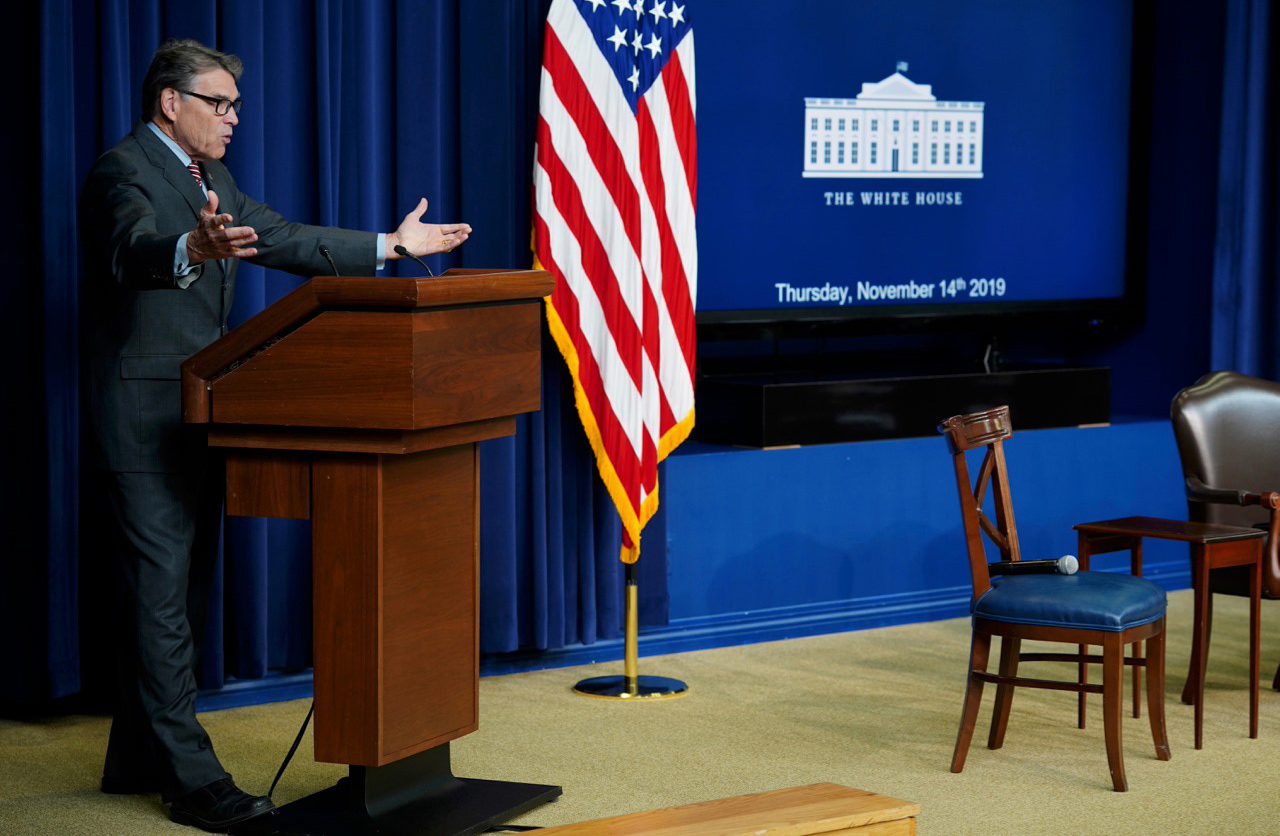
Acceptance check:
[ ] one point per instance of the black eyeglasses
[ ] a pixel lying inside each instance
(220, 106)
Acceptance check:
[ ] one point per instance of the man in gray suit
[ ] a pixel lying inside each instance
(164, 227)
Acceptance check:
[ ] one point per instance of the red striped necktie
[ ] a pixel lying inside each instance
(194, 168)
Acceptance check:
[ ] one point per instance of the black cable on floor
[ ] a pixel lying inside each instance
(296, 742)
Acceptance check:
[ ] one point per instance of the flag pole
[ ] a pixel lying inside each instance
(631, 685)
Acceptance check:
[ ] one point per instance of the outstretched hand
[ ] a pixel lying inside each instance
(424, 238)
(212, 239)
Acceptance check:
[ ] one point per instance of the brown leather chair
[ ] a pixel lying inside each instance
(1227, 426)
(1106, 609)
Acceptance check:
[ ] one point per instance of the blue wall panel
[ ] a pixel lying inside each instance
(870, 523)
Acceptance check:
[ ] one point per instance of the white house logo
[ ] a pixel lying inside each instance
(894, 128)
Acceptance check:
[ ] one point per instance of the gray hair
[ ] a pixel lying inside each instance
(176, 64)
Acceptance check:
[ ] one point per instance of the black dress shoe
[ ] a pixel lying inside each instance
(217, 806)
(116, 785)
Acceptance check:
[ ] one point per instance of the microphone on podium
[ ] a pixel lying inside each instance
(328, 256)
(403, 251)
(1065, 565)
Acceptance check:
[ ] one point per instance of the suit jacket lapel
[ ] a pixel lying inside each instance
(170, 167)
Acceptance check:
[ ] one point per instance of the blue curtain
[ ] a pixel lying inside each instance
(1245, 334)
(353, 110)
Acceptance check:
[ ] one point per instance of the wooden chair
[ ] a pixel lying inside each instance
(1226, 425)
(1104, 609)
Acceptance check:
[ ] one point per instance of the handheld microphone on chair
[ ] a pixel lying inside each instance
(402, 251)
(1065, 565)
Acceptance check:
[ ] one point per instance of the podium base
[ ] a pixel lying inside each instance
(415, 796)
(619, 688)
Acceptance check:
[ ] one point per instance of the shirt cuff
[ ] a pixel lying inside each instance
(381, 258)
(184, 272)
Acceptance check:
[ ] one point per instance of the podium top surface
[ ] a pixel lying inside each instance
(454, 287)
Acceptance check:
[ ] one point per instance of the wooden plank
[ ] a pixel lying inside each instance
(794, 811)
(901, 827)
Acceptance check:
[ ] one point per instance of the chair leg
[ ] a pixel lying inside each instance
(1155, 694)
(1112, 707)
(1193, 669)
(1083, 678)
(1275, 681)
(979, 653)
(1009, 653)
(1137, 680)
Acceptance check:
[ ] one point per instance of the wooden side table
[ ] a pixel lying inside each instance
(1212, 547)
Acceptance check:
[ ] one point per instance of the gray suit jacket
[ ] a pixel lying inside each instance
(137, 201)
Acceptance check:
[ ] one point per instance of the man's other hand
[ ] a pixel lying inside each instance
(423, 238)
(212, 239)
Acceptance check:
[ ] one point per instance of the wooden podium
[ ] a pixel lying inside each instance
(357, 403)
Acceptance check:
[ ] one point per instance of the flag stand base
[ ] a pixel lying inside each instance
(631, 686)
(644, 688)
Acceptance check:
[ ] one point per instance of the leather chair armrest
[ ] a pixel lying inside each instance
(1198, 491)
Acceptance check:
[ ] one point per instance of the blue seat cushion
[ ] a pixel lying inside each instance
(1093, 600)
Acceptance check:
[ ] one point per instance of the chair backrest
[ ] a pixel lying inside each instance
(988, 429)
(1227, 426)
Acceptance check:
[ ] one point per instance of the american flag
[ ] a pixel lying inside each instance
(615, 194)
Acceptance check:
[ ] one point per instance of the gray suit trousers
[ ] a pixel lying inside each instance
(164, 540)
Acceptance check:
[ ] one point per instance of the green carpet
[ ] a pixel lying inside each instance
(875, 709)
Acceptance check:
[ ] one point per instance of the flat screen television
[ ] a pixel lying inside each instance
(917, 161)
